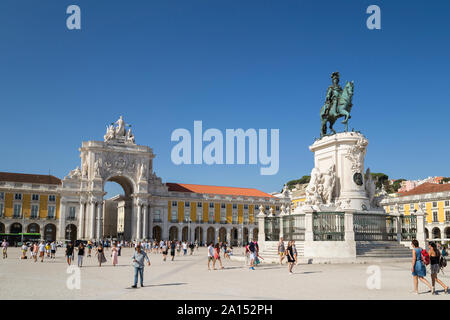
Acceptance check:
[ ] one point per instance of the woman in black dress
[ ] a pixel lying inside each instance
(290, 256)
(100, 255)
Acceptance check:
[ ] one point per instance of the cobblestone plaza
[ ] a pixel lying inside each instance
(188, 278)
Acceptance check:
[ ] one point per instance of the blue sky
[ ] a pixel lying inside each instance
(232, 64)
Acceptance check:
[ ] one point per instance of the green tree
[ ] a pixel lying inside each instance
(291, 184)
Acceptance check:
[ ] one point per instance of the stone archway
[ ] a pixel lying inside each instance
(33, 228)
(222, 235)
(245, 237)
(15, 228)
(198, 235)
(210, 235)
(50, 232)
(427, 233)
(447, 233)
(157, 234)
(71, 232)
(436, 233)
(173, 233)
(185, 234)
(118, 159)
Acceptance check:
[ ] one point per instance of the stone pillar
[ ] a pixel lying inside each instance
(261, 232)
(282, 214)
(216, 234)
(348, 226)
(62, 221)
(145, 222)
(193, 226)
(99, 221)
(309, 224)
(398, 222)
(421, 216)
(139, 222)
(205, 234)
(81, 222)
(92, 219)
(240, 239)
(165, 224)
(228, 236)
(150, 222)
(180, 231)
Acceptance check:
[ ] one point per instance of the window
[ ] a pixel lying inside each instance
(223, 216)
(245, 206)
(411, 206)
(234, 206)
(199, 216)
(51, 211)
(34, 211)
(186, 215)
(211, 216)
(267, 207)
(1, 209)
(211, 204)
(157, 216)
(2, 196)
(435, 216)
(18, 196)
(245, 217)
(187, 204)
(256, 208)
(52, 198)
(17, 210)
(447, 215)
(174, 203)
(223, 206)
(71, 212)
(34, 197)
(434, 204)
(277, 208)
(199, 204)
(235, 217)
(447, 203)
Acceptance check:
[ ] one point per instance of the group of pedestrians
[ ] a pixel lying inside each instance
(290, 252)
(435, 257)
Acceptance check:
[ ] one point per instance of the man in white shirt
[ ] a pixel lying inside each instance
(210, 254)
(53, 249)
(184, 248)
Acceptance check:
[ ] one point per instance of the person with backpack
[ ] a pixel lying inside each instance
(420, 259)
(252, 249)
(436, 264)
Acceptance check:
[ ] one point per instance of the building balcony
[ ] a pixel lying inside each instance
(71, 218)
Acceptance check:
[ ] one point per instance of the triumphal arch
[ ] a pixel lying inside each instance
(119, 159)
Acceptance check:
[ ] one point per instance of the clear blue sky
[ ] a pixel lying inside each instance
(232, 64)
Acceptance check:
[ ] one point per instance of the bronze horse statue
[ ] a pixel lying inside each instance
(343, 108)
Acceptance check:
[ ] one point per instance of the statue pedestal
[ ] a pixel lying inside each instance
(346, 152)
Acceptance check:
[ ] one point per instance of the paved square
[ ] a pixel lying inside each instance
(188, 278)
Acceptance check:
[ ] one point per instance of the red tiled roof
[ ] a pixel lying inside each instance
(29, 178)
(197, 188)
(426, 187)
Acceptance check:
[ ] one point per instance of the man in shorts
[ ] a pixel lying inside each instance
(5, 249)
(53, 249)
(210, 254)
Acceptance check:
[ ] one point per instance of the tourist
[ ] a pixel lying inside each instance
(114, 255)
(47, 249)
(119, 248)
(444, 251)
(281, 250)
(69, 253)
(42, 251)
(290, 257)
(225, 251)
(24, 251)
(80, 254)
(5, 249)
(184, 248)
(294, 248)
(138, 263)
(210, 255)
(418, 268)
(192, 247)
(178, 246)
(435, 266)
(89, 245)
(173, 245)
(53, 250)
(247, 255)
(100, 255)
(35, 251)
(217, 257)
(252, 249)
(164, 248)
(161, 244)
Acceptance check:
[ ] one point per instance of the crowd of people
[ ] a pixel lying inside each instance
(435, 256)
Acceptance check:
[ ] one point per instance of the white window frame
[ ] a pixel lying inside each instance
(53, 211)
(435, 214)
(15, 205)
(72, 211)
(17, 197)
(2, 196)
(37, 211)
(32, 197)
(211, 214)
(50, 197)
(174, 203)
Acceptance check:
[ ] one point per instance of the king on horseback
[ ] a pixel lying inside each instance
(338, 103)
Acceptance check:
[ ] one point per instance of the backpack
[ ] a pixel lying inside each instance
(252, 247)
(442, 262)
(425, 257)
